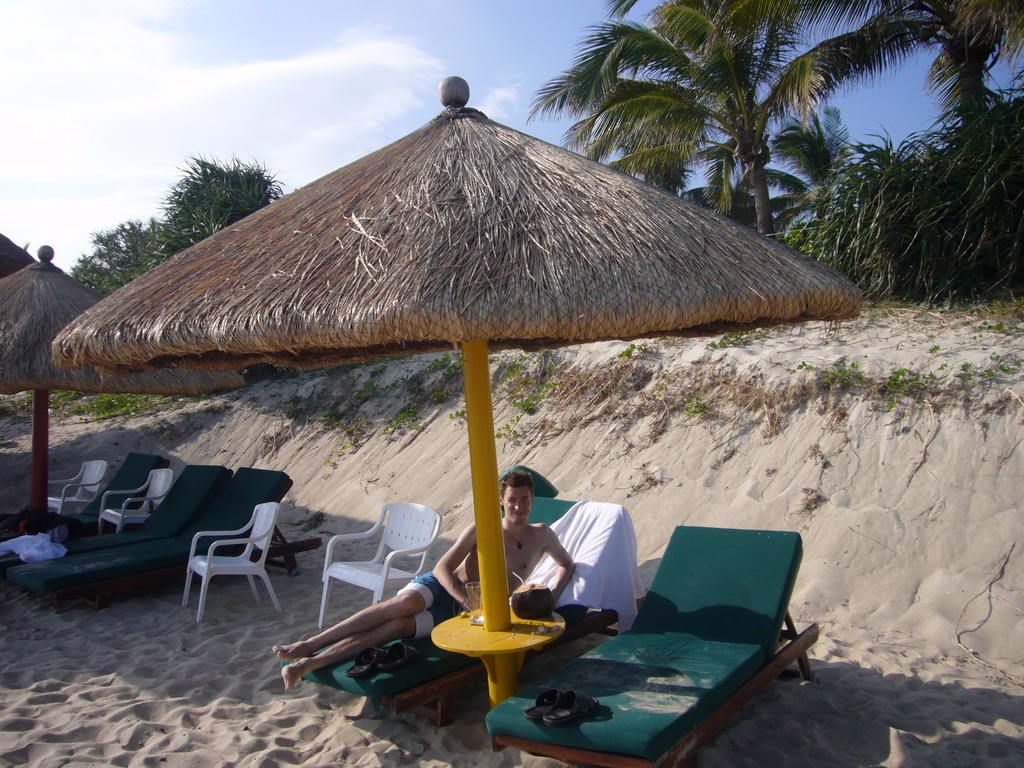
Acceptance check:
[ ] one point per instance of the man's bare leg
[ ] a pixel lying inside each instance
(375, 625)
(347, 648)
(402, 605)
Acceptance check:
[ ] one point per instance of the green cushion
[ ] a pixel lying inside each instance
(709, 622)
(723, 584)
(433, 663)
(547, 511)
(191, 493)
(541, 485)
(132, 473)
(653, 689)
(233, 506)
(230, 510)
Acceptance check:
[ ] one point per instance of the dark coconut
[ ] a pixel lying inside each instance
(532, 601)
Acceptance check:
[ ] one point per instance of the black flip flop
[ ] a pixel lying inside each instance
(571, 705)
(396, 655)
(545, 701)
(365, 663)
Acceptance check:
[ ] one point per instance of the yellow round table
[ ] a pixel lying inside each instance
(502, 652)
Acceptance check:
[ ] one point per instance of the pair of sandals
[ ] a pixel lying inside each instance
(554, 707)
(385, 659)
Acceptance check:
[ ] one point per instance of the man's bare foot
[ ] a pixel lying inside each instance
(292, 673)
(293, 651)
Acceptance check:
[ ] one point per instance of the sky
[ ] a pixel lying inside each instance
(104, 101)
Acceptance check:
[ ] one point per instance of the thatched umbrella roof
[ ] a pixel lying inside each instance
(464, 229)
(35, 303)
(12, 257)
(39, 300)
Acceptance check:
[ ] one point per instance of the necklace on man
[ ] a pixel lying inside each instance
(519, 544)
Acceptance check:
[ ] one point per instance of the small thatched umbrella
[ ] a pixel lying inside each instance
(462, 233)
(12, 257)
(35, 303)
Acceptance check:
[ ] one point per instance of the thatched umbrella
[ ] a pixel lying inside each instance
(462, 233)
(12, 257)
(35, 303)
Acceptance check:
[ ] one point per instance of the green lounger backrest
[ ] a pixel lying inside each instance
(132, 473)
(723, 584)
(547, 511)
(233, 506)
(191, 494)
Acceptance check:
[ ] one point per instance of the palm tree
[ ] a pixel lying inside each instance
(707, 77)
(968, 37)
(729, 192)
(210, 196)
(814, 151)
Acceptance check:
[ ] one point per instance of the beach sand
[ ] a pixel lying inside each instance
(891, 443)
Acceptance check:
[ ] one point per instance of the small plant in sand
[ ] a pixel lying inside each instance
(841, 376)
(633, 349)
(694, 406)
(107, 406)
(509, 431)
(733, 339)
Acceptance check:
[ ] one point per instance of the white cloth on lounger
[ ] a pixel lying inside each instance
(601, 541)
(33, 547)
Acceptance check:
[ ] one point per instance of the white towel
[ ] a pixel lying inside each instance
(32, 548)
(601, 541)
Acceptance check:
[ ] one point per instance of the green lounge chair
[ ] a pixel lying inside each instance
(192, 492)
(130, 476)
(430, 686)
(97, 574)
(704, 643)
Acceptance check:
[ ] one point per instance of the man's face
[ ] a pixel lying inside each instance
(517, 502)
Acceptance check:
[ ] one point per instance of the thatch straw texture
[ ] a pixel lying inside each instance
(463, 230)
(12, 257)
(39, 300)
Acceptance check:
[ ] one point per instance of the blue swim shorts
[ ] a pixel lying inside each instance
(441, 606)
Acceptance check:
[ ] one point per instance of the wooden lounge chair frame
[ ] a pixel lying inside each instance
(684, 753)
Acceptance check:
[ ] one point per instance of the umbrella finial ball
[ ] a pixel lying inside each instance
(453, 92)
(45, 253)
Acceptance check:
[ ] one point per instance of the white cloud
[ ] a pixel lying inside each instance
(500, 103)
(112, 102)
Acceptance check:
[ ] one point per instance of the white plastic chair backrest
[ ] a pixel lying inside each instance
(92, 473)
(408, 526)
(159, 482)
(264, 517)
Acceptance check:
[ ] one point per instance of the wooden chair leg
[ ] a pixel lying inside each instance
(445, 712)
(802, 661)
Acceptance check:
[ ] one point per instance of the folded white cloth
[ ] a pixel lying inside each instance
(601, 541)
(33, 547)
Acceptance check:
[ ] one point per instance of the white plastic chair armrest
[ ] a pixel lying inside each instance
(103, 498)
(199, 534)
(400, 553)
(67, 480)
(64, 493)
(346, 537)
(139, 498)
(228, 543)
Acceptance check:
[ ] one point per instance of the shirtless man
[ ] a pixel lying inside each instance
(437, 596)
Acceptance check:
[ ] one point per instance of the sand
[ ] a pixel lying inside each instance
(906, 488)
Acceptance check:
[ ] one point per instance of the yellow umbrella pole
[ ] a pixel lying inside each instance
(490, 545)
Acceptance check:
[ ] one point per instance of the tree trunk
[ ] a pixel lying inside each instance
(762, 198)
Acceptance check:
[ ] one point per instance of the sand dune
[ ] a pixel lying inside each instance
(891, 443)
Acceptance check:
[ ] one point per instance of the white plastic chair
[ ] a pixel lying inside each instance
(136, 509)
(80, 489)
(260, 528)
(409, 530)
